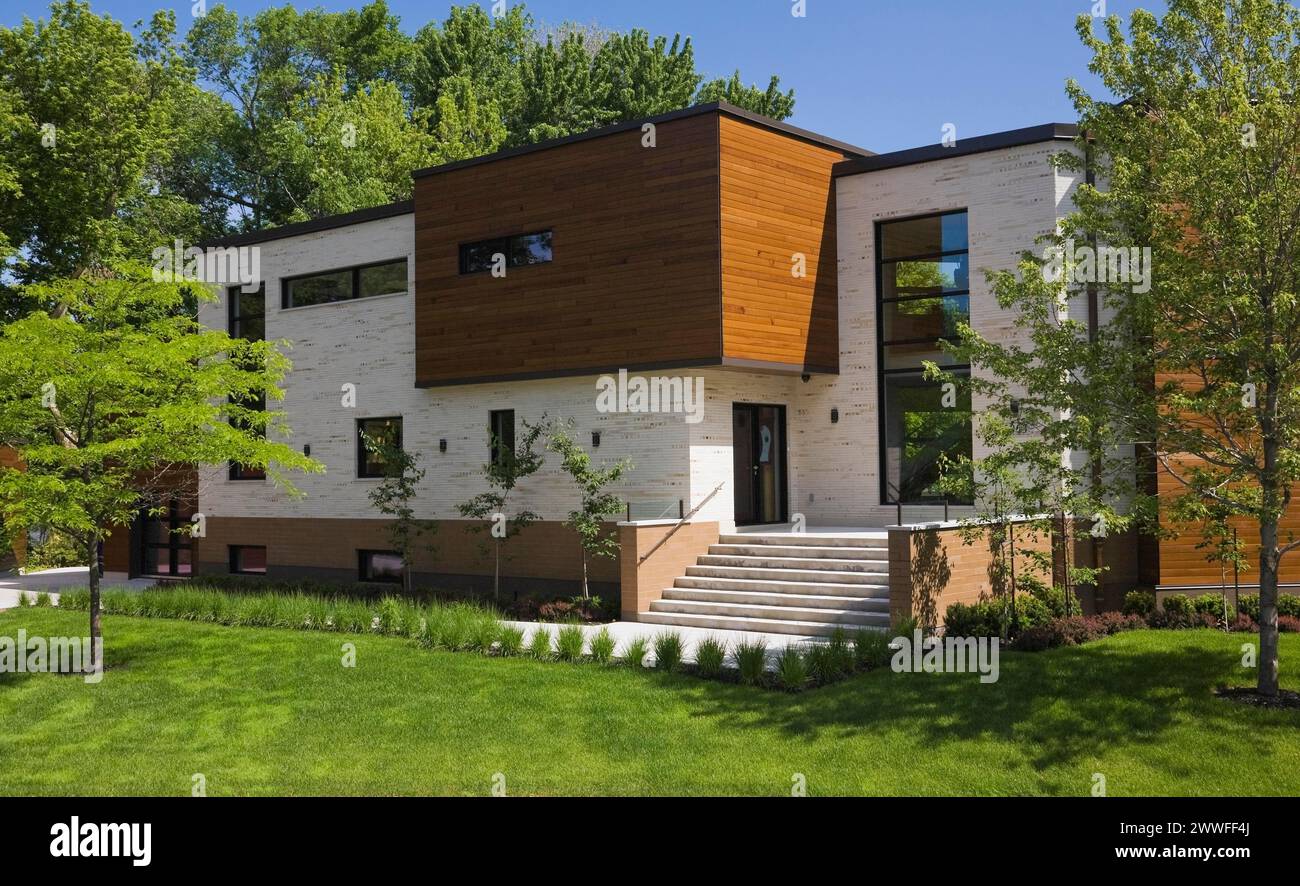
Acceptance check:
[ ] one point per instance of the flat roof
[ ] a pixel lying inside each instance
(311, 226)
(1012, 138)
(693, 111)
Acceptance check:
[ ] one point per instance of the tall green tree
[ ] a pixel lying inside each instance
(98, 111)
(1196, 370)
(106, 401)
(770, 102)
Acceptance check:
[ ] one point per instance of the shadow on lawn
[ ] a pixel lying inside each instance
(1062, 706)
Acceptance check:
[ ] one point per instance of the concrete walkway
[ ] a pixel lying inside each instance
(52, 581)
(624, 632)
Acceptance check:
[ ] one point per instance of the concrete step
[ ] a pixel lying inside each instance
(828, 564)
(764, 625)
(803, 539)
(824, 588)
(790, 613)
(809, 575)
(834, 553)
(797, 601)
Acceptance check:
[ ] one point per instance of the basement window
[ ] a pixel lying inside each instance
(382, 566)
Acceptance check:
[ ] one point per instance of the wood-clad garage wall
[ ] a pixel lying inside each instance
(635, 276)
(777, 200)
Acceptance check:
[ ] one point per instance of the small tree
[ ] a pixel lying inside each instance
(392, 497)
(503, 473)
(106, 398)
(597, 505)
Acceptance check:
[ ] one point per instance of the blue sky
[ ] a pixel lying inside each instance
(883, 74)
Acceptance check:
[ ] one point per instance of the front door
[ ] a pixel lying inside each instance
(758, 452)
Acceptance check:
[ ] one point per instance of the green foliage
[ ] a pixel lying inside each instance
(98, 112)
(539, 645)
(668, 651)
(750, 657)
(102, 400)
(770, 102)
(392, 497)
(511, 640)
(1178, 604)
(56, 551)
(635, 651)
(597, 506)
(1139, 603)
(870, 648)
(1209, 604)
(1287, 605)
(602, 646)
(792, 669)
(710, 657)
(569, 642)
(503, 475)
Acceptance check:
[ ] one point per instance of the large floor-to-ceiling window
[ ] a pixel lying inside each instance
(923, 293)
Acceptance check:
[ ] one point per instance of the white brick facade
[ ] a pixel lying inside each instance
(1011, 195)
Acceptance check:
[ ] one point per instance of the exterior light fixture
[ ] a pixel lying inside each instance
(442, 445)
(835, 416)
(595, 439)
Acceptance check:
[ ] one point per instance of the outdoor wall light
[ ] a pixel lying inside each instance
(835, 416)
(805, 378)
(1014, 406)
(306, 449)
(595, 439)
(442, 445)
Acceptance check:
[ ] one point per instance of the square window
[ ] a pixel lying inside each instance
(248, 560)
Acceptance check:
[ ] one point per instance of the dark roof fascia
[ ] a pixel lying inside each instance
(997, 141)
(373, 213)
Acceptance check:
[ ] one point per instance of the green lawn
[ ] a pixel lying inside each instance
(262, 711)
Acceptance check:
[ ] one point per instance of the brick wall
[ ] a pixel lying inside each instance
(653, 556)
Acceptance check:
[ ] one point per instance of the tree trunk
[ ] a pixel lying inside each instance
(496, 574)
(96, 627)
(585, 594)
(1268, 569)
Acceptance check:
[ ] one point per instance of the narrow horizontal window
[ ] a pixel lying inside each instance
(345, 284)
(519, 250)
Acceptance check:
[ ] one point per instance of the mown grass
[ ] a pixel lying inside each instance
(273, 711)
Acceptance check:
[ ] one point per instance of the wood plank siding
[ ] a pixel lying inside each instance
(778, 200)
(672, 256)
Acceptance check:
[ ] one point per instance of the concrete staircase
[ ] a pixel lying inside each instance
(782, 583)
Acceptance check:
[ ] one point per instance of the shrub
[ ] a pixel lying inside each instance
(511, 640)
(602, 646)
(1288, 624)
(1209, 604)
(42, 600)
(751, 661)
(710, 656)
(829, 662)
(1178, 604)
(980, 619)
(1243, 624)
(792, 669)
(539, 647)
(1139, 603)
(75, 600)
(484, 632)
(22, 600)
(870, 648)
(668, 651)
(569, 642)
(1075, 630)
(1287, 604)
(1050, 596)
(635, 652)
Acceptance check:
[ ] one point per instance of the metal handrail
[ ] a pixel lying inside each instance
(680, 522)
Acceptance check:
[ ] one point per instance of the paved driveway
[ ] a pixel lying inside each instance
(54, 580)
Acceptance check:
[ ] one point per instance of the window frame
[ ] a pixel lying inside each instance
(495, 456)
(238, 473)
(886, 498)
(355, 282)
(506, 240)
(364, 553)
(233, 558)
(361, 446)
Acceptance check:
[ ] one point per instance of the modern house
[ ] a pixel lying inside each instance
(799, 280)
